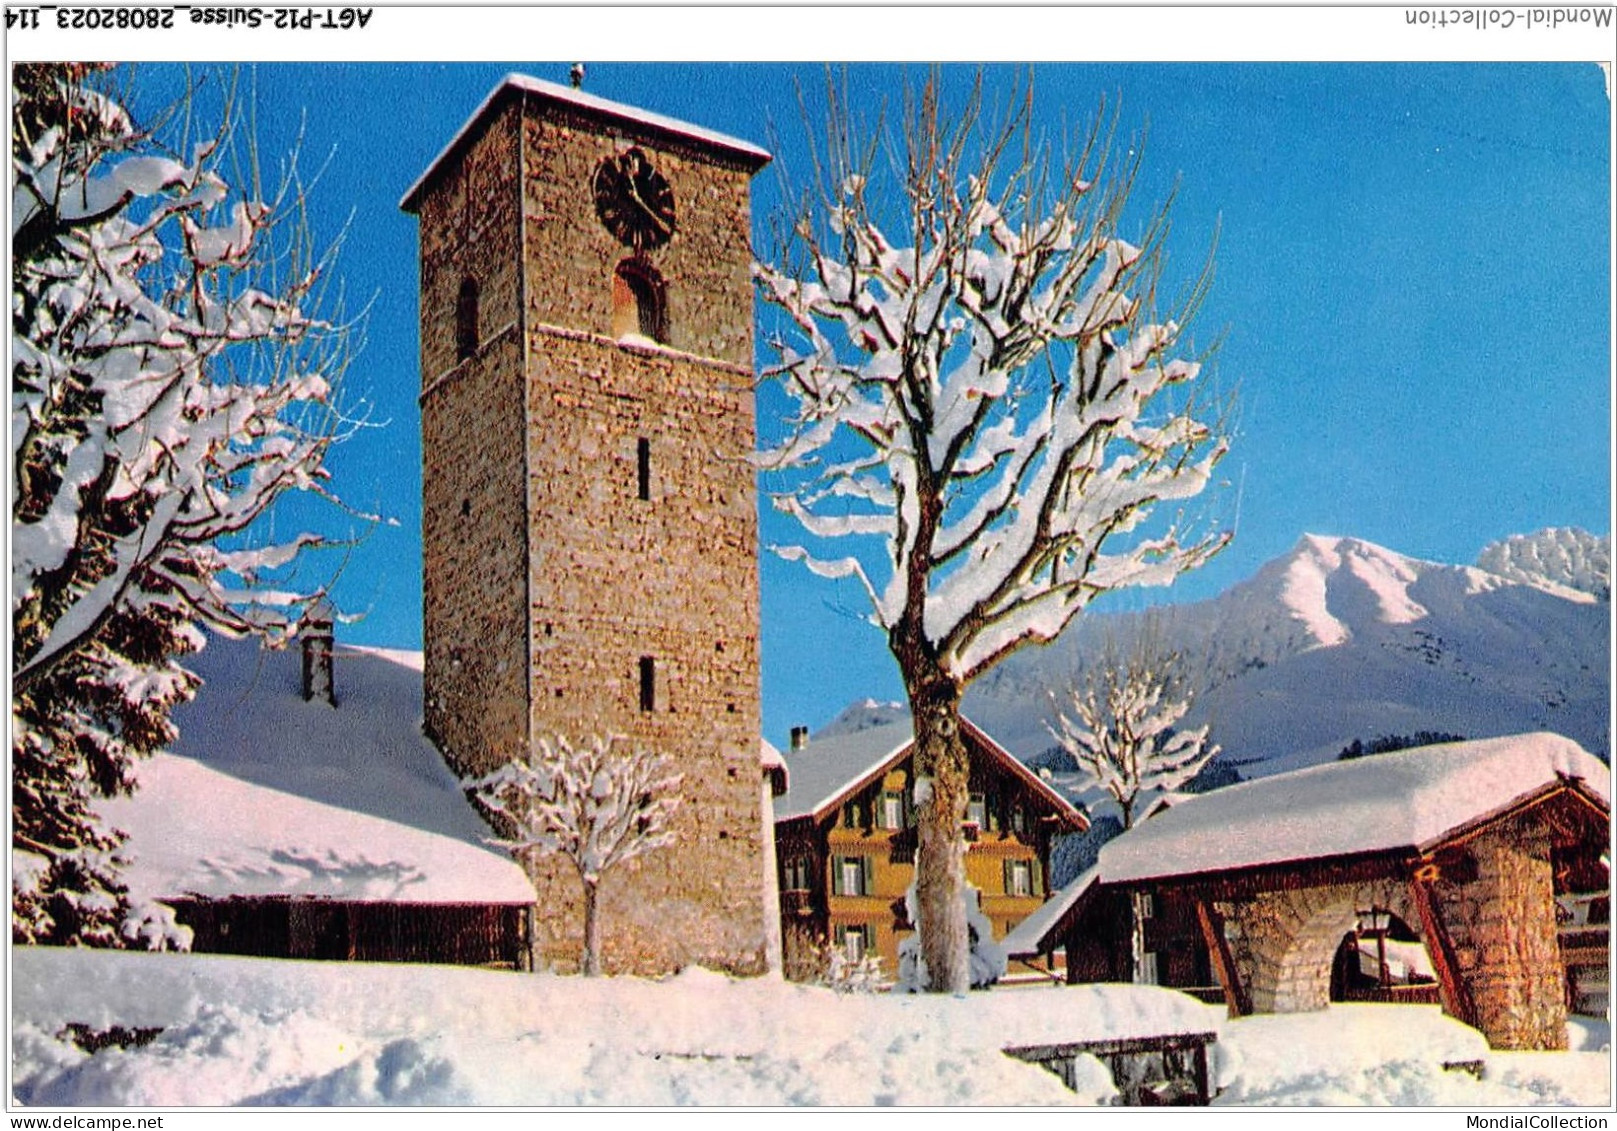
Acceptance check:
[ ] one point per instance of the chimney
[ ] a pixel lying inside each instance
(799, 738)
(319, 638)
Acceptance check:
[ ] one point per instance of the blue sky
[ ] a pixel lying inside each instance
(1411, 294)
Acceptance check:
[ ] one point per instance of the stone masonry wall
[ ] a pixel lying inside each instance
(673, 577)
(1288, 939)
(1502, 923)
(547, 577)
(615, 578)
(473, 442)
(572, 258)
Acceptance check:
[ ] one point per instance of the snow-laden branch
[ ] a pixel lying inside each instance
(598, 803)
(986, 417)
(1010, 400)
(133, 311)
(171, 379)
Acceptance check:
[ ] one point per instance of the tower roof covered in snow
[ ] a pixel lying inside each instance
(631, 119)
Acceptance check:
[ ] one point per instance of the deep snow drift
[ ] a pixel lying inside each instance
(259, 1031)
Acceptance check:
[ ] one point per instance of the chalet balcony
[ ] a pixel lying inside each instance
(798, 903)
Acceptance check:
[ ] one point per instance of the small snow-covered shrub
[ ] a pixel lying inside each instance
(823, 963)
(152, 926)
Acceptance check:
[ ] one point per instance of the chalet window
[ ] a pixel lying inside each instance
(797, 874)
(643, 467)
(639, 301)
(1018, 819)
(466, 333)
(1148, 969)
(853, 815)
(855, 940)
(850, 875)
(648, 683)
(1019, 877)
(977, 811)
(892, 810)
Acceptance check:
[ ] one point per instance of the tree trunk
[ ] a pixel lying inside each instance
(940, 861)
(592, 931)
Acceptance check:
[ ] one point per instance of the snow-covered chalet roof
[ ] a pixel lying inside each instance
(1408, 799)
(265, 794)
(632, 118)
(828, 770)
(773, 765)
(1026, 939)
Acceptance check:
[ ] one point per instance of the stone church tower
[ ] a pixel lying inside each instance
(589, 531)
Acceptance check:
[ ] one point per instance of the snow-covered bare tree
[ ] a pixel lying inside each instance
(598, 803)
(1120, 722)
(981, 388)
(1123, 731)
(170, 380)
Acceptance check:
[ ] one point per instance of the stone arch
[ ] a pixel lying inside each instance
(1293, 937)
(1354, 974)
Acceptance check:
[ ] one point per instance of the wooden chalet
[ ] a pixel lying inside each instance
(845, 835)
(1287, 892)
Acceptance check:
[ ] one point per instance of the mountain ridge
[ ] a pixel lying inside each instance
(1341, 639)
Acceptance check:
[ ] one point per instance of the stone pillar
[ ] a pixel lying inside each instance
(1517, 978)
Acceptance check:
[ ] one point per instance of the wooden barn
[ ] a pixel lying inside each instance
(1471, 873)
(302, 814)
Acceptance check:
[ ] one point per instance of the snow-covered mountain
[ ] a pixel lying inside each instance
(1342, 639)
(1560, 555)
(863, 714)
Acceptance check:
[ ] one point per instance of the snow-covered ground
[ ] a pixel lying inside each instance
(256, 1031)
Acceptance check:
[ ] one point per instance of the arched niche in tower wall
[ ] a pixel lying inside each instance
(639, 301)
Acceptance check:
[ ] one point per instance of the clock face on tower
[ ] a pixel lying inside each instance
(634, 201)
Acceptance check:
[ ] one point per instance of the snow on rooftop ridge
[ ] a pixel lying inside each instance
(589, 103)
(829, 767)
(404, 657)
(1403, 800)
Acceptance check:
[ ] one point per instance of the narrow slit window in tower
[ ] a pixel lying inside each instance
(466, 320)
(643, 466)
(648, 683)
